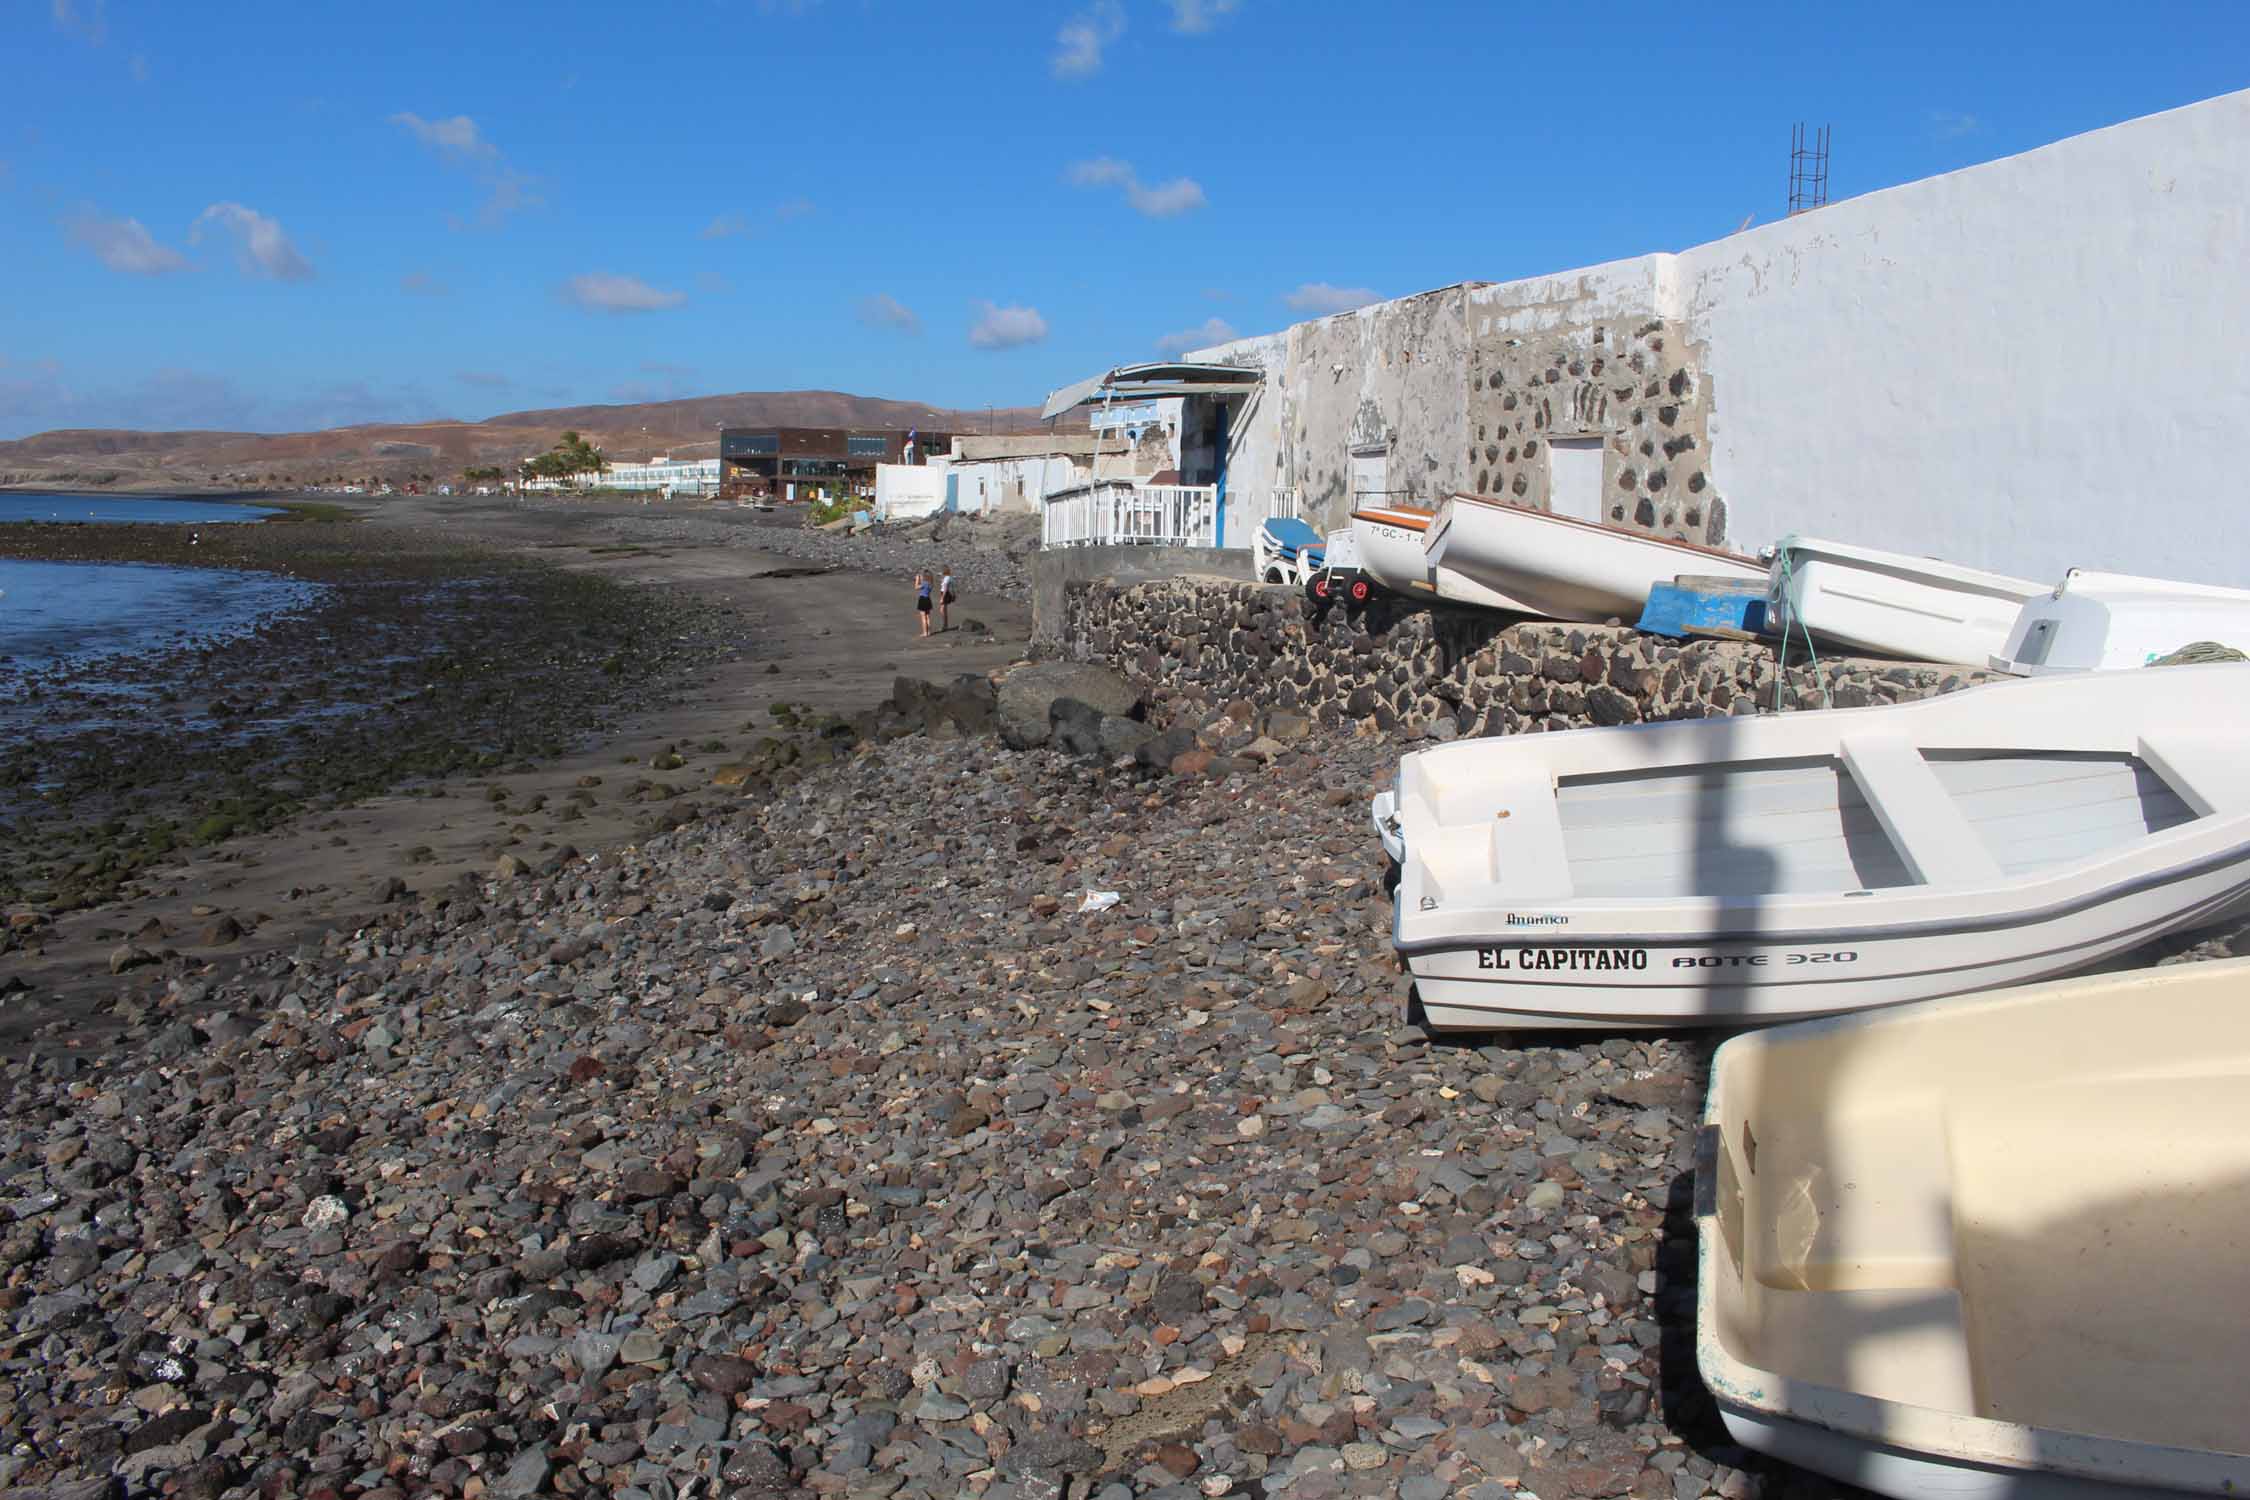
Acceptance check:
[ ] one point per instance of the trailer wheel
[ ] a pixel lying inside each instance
(1361, 591)
(1319, 589)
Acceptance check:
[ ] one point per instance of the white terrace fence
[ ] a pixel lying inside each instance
(1121, 512)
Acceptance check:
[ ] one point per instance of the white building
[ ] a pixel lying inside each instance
(2027, 365)
(667, 475)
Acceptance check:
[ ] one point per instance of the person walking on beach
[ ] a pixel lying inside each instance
(922, 601)
(945, 600)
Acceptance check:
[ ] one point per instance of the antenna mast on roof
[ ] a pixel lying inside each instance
(1808, 170)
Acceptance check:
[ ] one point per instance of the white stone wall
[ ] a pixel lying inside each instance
(2028, 365)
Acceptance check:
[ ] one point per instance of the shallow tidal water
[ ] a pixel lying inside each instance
(55, 614)
(35, 505)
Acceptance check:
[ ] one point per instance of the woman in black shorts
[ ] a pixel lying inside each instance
(922, 600)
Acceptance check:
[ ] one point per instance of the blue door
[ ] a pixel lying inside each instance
(952, 492)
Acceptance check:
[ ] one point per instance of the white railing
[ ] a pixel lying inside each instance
(1120, 513)
(1123, 513)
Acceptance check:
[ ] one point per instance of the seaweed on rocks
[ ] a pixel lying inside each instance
(423, 658)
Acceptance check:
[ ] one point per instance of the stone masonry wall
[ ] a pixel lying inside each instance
(1634, 383)
(1440, 673)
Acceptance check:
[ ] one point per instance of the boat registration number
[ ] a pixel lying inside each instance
(1762, 960)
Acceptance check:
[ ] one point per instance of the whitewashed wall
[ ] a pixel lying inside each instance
(2037, 363)
(904, 492)
(2028, 365)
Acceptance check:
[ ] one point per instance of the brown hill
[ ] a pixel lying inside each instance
(397, 450)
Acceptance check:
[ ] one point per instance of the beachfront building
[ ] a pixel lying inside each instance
(982, 475)
(662, 474)
(2025, 366)
(814, 463)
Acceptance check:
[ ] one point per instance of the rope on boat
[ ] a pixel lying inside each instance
(2196, 652)
(1789, 617)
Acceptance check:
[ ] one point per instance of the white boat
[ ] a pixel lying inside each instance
(2104, 621)
(1887, 602)
(1563, 568)
(1988, 1249)
(1741, 870)
(1389, 539)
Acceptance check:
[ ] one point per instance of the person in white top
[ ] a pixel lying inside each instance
(945, 599)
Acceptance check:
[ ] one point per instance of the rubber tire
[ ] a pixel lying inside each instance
(1361, 591)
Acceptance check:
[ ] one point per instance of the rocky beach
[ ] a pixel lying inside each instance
(875, 1085)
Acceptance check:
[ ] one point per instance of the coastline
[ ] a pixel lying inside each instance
(414, 815)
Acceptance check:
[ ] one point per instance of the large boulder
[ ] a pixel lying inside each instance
(1074, 728)
(970, 701)
(1027, 698)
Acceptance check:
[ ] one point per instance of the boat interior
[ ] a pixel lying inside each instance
(1879, 814)
(2034, 1209)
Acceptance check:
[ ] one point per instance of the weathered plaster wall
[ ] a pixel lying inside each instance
(1419, 672)
(1390, 373)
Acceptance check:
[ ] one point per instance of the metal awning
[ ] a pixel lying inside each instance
(1144, 382)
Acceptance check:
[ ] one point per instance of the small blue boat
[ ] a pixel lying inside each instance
(1703, 606)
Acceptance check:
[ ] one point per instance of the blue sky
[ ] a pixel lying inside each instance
(284, 216)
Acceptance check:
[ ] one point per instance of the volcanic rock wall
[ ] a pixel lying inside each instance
(1437, 672)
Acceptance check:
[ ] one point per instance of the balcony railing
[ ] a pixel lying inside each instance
(1122, 513)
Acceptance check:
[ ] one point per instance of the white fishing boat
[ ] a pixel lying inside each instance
(2106, 621)
(1389, 539)
(1989, 1249)
(1889, 603)
(1562, 568)
(1740, 870)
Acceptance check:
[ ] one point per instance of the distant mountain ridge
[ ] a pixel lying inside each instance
(686, 428)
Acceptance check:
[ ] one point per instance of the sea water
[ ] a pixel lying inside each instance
(55, 614)
(32, 505)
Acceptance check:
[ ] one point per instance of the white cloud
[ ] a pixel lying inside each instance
(90, 22)
(123, 244)
(457, 137)
(1079, 45)
(1006, 327)
(1951, 124)
(423, 284)
(137, 65)
(885, 311)
(1213, 331)
(263, 250)
(788, 211)
(599, 291)
(458, 140)
(489, 379)
(1163, 200)
(1197, 16)
(1320, 298)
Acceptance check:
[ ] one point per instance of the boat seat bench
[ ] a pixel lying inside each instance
(2206, 773)
(1923, 821)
